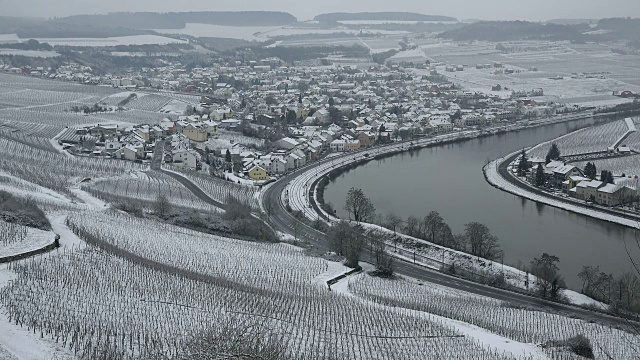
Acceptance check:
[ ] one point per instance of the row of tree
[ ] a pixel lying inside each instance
(476, 239)
(622, 292)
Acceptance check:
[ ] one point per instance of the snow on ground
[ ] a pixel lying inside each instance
(23, 188)
(262, 33)
(89, 200)
(284, 237)
(581, 299)
(482, 336)
(9, 38)
(29, 53)
(334, 270)
(248, 33)
(113, 41)
(175, 107)
(19, 343)
(34, 240)
(57, 146)
(409, 55)
(238, 180)
(494, 178)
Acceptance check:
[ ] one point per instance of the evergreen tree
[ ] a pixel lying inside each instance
(554, 152)
(227, 156)
(540, 176)
(523, 165)
(590, 170)
(606, 177)
(331, 102)
(300, 98)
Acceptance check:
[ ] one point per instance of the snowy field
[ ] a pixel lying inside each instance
(28, 53)
(219, 189)
(380, 45)
(628, 165)
(28, 103)
(552, 59)
(262, 33)
(382, 22)
(145, 187)
(112, 41)
(249, 33)
(156, 312)
(17, 239)
(9, 38)
(518, 324)
(592, 139)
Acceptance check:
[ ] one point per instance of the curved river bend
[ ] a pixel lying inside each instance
(449, 179)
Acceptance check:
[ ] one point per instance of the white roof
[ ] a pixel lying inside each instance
(609, 188)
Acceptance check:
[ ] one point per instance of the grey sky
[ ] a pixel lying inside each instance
(304, 9)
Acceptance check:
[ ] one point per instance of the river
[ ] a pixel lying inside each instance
(449, 179)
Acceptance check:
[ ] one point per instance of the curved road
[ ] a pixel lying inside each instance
(504, 173)
(283, 221)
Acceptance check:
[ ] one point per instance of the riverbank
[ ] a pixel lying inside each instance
(496, 174)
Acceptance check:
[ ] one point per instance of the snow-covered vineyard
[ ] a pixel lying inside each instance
(131, 284)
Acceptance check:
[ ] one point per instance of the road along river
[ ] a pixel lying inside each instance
(449, 179)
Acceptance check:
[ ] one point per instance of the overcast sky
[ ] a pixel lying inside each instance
(305, 10)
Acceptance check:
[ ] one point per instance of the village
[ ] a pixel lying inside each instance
(263, 119)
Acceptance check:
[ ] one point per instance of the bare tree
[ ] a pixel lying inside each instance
(589, 276)
(546, 270)
(436, 230)
(628, 290)
(384, 261)
(481, 242)
(359, 206)
(162, 206)
(346, 241)
(393, 221)
(411, 226)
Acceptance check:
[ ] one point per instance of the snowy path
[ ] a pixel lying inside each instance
(57, 146)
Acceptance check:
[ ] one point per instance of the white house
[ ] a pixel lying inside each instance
(187, 157)
(338, 145)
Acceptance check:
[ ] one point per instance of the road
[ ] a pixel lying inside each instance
(156, 164)
(283, 221)
(503, 171)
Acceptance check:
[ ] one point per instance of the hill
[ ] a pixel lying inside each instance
(390, 16)
(622, 28)
(40, 28)
(149, 20)
(512, 30)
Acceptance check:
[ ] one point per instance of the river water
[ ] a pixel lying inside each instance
(449, 179)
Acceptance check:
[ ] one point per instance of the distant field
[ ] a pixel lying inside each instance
(113, 41)
(629, 165)
(597, 138)
(617, 72)
(263, 33)
(29, 53)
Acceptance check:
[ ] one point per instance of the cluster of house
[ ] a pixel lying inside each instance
(138, 142)
(572, 181)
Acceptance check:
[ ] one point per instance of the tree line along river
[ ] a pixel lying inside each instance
(449, 179)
